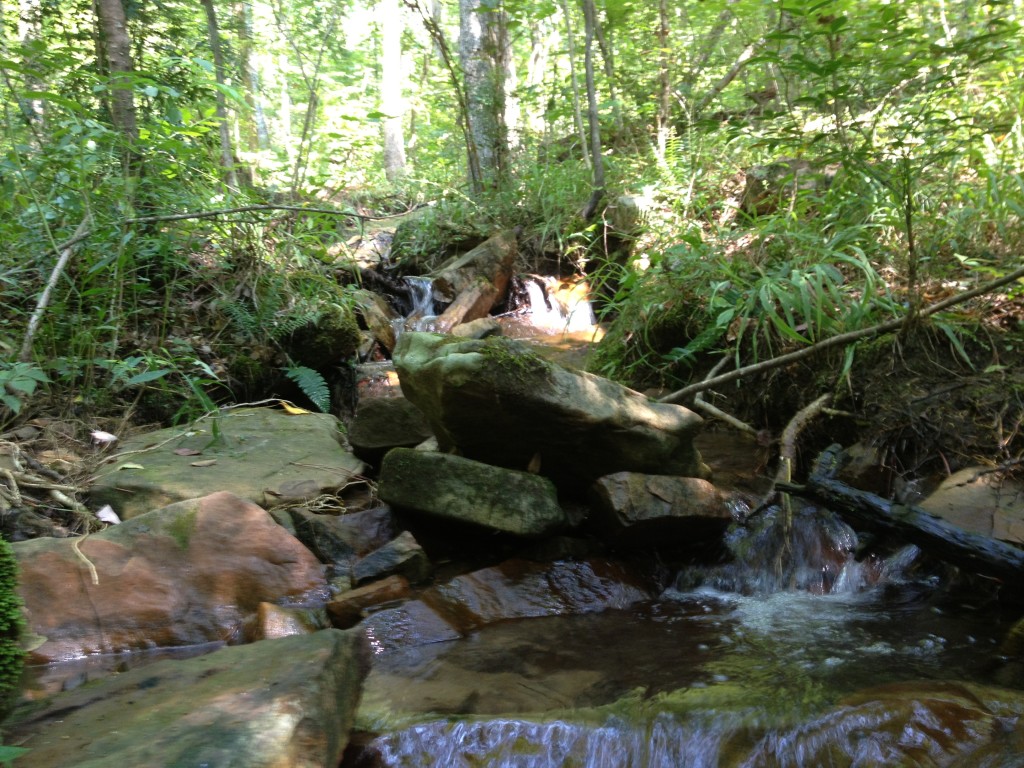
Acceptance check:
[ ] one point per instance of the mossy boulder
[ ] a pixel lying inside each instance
(333, 338)
(498, 402)
(455, 488)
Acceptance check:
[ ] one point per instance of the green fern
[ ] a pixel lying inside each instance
(268, 319)
(312, 384)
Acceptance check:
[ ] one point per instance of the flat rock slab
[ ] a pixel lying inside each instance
(980, 501)
(285, 703)
(263, 455)
(190, 573)
(659, 509)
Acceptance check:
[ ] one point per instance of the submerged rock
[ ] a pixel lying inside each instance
(454, 488)
(519, 589)
(261, 454)
(190, 573)
(500, 403)
(286, 702)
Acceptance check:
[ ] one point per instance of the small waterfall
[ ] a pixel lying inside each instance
(420, 315)
(809, 550)
(421, 296)
(559, 306)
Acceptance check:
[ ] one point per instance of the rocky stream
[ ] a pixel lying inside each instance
(501, 562)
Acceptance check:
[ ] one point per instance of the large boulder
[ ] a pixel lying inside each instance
(634, 508)
(261, 454)
(459, 489)
(191, 573)
(285, 702)
(498, 402)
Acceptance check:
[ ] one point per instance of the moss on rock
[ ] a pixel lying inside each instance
(11, 628)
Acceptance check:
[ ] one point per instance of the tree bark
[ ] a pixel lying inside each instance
(590, 23)
(484, 59)
(392, 25)
(227, 154)
(577, 109)
(971, 551)
(118, 59)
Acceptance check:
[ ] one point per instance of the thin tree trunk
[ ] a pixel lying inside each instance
(577, 109)
(664, 84)
(590, 22)
(254, 127)
(392, 25)
(285, 109)
(117, 52)
(483, 56)
(433, 27)
(605, 43)
(227, 155)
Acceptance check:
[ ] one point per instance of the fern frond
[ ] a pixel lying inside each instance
(312, 384)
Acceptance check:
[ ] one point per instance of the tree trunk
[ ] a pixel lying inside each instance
(227, 154)
(664, 84)
(118, 59)
(255, 134)
(392, 25)
(577, 109)
(590, 22)
(483, 55)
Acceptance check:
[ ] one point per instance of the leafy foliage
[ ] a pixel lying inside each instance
(313, 386)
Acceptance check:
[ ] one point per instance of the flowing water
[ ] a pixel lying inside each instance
(794, 654)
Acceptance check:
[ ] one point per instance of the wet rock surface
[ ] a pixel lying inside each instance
(186, 574)
(659, 510)
(286, 702)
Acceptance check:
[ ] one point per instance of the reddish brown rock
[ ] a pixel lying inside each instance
(522, 589)
(189, 573)
(347, 609)
(636, 508)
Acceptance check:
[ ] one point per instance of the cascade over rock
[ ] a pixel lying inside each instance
(498, 402)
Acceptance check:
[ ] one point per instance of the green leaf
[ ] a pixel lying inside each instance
(146, 376)
(313, 386)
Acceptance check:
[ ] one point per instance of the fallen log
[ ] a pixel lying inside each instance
(970, 551)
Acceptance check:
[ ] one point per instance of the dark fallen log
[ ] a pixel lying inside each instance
(970, 551)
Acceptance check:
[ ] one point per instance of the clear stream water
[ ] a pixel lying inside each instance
(793, 654)
(756, 666)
